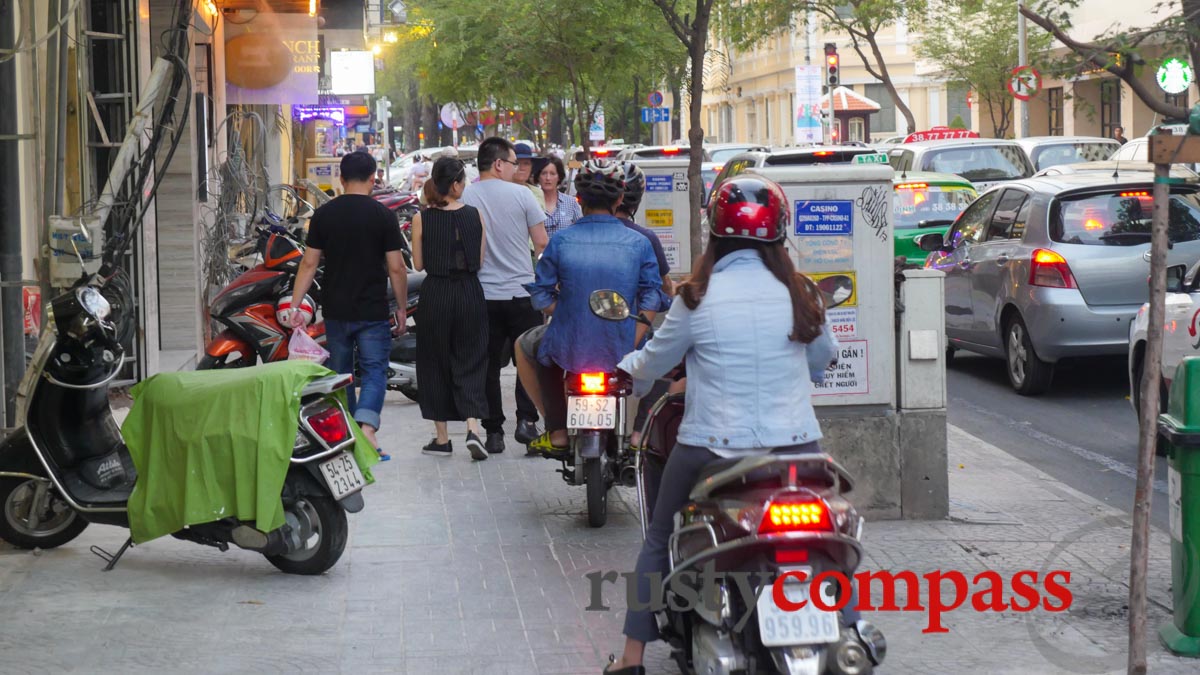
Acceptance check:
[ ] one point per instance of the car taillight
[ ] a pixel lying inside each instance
(330, 425)
(822, 153)
(912, 186)
(1048, 268)
(670, 151)
(795, 516)
(593, 383)
(600, 152)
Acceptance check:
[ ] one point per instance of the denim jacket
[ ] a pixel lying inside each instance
(748, 386)
(596, 253)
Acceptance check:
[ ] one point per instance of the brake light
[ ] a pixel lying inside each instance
(670, 151)
(1048, 268)
(593, 383)
(822, 153)
(717, 168)
(795, 516)
(330, 425)
(912, 186)
(602, 151)
(784, 556)
(1141, 194)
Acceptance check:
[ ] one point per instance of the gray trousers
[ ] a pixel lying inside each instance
(679, 476)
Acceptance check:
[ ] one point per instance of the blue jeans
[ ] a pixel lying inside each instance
(373, 342)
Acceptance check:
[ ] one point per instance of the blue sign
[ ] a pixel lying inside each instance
(655, 99)
(818, 219)
(659, 184)
(652, 115)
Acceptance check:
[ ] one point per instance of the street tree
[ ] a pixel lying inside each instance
(971, 42)
(866, 22)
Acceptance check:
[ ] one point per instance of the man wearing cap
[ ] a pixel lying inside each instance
(524, 172)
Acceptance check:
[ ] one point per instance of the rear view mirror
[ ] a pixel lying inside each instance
(609, 305)
(1175, 276)
(934, 241)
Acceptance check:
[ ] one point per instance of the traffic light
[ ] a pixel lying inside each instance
(831, 65)
(383, 109)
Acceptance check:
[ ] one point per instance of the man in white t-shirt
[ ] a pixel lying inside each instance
(512, 218)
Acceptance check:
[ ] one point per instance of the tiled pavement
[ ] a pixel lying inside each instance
(464, 567)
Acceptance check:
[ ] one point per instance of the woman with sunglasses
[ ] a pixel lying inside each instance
(452, 345)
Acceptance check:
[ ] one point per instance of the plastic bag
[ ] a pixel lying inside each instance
(303, 348)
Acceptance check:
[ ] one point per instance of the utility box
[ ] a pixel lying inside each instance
(666, 210)
(326, 172)
(66, 239)
(1180, 426)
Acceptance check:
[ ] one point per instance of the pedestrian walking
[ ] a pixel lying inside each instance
(512, 218)
(452, 345)
(361, 245)
(561, 211)
(524, 174)
(1119, 135)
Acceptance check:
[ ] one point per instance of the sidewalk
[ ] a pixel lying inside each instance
(478, 567)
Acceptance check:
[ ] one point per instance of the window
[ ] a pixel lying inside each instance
(1011, 213)
(1123, 218)
(980, 162)
(1110, 106)
(956, 105)
(901, 160)
(857, 129)
(920, 204)
(1046, 156)
(1054, 97)
(972, 223)
(885, 119)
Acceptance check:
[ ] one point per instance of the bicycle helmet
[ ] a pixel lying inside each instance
(600, 181)
(284, 307)
(750, 208)
(635, 187)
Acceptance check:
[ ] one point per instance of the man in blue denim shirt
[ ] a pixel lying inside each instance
(597, 252)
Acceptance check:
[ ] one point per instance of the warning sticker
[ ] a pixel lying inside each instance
(819, 218)
(849, 376)
(658, 184)
(839, 289)
(657, 200)
(842, 322)
(660, 218)
(824, 253)
(672, 251)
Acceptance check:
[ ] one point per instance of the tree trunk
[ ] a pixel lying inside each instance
(412, 117)
(677, 107)
(637, 118)
(909, 121)
(696, 133)
(429, 120)
(555, 127)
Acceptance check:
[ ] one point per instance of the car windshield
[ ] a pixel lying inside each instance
(980, 162)
(1122, 218)
(818, 157)
(921, 204)
(1046, 156)
(723, 154)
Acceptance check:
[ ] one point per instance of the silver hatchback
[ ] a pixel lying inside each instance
(1054, 267)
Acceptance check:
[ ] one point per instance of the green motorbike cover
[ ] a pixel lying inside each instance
(216, 444)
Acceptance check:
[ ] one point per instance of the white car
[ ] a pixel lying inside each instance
(1181, 333)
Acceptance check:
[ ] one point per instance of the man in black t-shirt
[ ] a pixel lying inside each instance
(360, 241)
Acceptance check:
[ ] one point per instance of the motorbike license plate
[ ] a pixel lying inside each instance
(591, 412)
(342, 475)
(808, 625)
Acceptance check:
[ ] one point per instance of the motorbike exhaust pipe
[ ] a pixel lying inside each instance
(629, 476)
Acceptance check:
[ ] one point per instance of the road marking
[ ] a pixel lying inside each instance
(1103, 460)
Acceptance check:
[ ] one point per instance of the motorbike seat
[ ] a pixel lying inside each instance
(761, 469)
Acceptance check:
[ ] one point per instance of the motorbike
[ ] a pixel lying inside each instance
(249, 309)
(66, 466)
(404, 204)
(766, 515)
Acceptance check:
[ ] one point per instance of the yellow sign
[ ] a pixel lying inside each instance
(839, 289)
(660, 218)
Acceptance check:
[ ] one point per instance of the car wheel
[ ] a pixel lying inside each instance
(950, 352)
(1160, 443)
(1028, 374)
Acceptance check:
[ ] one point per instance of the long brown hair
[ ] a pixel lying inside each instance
(808, 311)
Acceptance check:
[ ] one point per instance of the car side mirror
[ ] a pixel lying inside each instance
(1175, 277)
(934, 241)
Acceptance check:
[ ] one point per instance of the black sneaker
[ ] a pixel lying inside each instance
(475, 446)
(527, 430)
(440, 449)
(495, 442)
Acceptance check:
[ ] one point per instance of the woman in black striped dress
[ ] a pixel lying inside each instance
(448, 243)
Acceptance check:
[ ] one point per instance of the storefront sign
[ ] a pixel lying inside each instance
(335, 114)
(272, 59)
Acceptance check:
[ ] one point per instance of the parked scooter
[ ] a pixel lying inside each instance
(765, 515)
(67, 465)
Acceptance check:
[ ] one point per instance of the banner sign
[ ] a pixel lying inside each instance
(807, 115)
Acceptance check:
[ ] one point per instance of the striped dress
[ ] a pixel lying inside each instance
(452, 339)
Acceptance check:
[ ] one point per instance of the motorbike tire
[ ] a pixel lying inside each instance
(17, 534)
(332, 530)
(597, 492)
(222, 362)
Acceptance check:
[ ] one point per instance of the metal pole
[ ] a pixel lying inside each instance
(1148, 434)
(12, 338)
(1023, 58)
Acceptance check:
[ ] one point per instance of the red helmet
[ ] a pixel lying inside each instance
(749, 207)
(284, 307)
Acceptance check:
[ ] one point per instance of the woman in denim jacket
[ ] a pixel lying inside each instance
(751, 330)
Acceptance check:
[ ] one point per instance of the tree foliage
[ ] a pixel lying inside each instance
(974, 43)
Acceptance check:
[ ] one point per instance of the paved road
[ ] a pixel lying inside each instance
(1083, 431)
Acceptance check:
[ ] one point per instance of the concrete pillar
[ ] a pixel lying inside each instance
(921, 375)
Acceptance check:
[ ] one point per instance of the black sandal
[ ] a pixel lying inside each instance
(627, 670)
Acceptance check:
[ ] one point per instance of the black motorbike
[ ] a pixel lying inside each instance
(66, 465)
(767, 515)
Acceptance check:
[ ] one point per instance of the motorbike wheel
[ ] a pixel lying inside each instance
(326, 521)
(597, 492)
(410, 392)
(59, 523)
(223, 361)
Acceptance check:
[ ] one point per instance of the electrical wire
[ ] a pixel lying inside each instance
(18, 48)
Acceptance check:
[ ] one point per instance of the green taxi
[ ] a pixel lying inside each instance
(926, 202)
